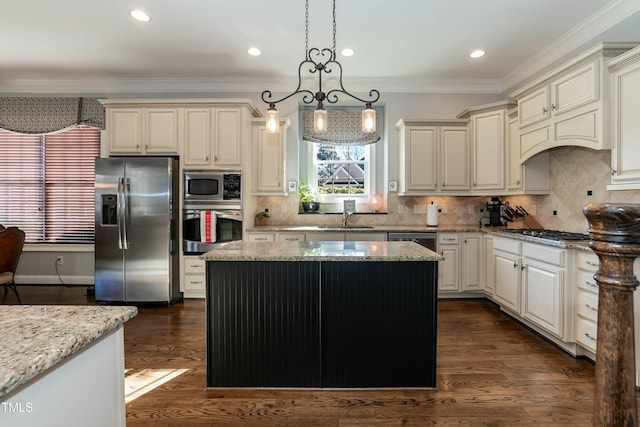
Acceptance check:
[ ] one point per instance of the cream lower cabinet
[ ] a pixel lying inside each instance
(530, 283)
(586, 301)
(543, 290)
(333, 236)
(290, 237)
(260, 237)
(193, 277)
(449, 268)
(506, 264)
(488, 269)
(461, 270)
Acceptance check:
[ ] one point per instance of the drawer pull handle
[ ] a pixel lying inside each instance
(592, 264)
(593, 285)
(590, 337)
(590, 307)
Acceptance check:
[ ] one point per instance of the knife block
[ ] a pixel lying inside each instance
(526, 222)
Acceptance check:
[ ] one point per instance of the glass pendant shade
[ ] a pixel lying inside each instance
(368, 119)
(273, 120)
(320, 119)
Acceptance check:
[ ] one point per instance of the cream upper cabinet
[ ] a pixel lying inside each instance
(197, 137)
(205, 133)
(269, 159)
(488, 125)
(487, 142)
(142, 131)
(454, 162)
(213, 137)
(567, 106)
(227, 137)
(434, 156)
(625, 152)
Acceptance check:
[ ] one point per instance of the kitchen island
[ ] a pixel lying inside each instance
(321, 314)
(62, 365)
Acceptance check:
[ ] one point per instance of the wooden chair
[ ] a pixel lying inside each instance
(11, 243)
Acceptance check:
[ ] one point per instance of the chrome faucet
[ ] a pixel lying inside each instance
(345, 217)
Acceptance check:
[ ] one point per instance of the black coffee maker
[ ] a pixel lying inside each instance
(494, 207)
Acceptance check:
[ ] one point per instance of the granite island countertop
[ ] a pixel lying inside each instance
(38, 337)
(321, 251)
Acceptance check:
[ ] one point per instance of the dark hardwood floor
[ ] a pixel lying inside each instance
(492, 371)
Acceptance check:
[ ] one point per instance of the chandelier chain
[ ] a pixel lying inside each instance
(306, 29)
(334, 29)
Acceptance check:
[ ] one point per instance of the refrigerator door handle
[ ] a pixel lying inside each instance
(126, 187)
(120, 203)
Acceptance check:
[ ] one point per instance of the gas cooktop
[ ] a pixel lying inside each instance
(558, 236)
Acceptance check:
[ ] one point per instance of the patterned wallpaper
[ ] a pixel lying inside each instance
(574, 171)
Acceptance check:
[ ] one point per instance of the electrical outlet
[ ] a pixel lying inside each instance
(393, 186)
(292, 186)
(400, 208)
(420, 209)
(533, 210)
(470, 209)
(59, 260)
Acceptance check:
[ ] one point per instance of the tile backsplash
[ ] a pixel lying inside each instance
(574, 172)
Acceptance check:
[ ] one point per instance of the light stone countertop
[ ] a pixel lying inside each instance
(363, 229)
(582, 245)
(38, 337)
(321, 251)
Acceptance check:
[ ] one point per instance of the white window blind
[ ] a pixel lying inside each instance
(46, 184)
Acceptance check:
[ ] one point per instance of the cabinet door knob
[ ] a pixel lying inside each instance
(553, 106)
(515, 265)
(544, 110)
(613, 172)
(590, 337)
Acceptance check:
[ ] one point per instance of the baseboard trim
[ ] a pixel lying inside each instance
(26, 279)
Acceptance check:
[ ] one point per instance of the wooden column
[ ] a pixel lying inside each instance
(615, 238)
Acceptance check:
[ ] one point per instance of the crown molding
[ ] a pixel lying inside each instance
(587, 30)
(244, 85)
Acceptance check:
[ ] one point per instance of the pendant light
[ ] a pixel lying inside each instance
(321, 61)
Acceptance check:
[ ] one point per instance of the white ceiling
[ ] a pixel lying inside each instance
(93, 46)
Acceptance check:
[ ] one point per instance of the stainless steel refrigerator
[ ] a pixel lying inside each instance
(136, 258)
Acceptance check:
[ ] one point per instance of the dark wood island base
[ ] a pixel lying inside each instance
(317, 322)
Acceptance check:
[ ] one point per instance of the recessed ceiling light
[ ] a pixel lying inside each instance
(254, 51)
(477, 53)
(139, 15)
(347, 52)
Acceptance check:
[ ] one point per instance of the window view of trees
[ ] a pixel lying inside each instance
(341, 169)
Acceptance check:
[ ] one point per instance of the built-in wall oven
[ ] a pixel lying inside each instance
(212, 210)
(203, 228)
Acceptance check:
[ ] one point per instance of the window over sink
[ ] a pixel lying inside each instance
(344, 172)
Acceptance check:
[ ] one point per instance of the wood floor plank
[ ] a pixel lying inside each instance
(491, 371)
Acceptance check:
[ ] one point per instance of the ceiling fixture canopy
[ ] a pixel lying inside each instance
(321, 61)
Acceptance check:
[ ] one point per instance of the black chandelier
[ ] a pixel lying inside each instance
(321, 61)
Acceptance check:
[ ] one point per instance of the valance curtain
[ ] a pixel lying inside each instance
(40, 115)
(344, 128)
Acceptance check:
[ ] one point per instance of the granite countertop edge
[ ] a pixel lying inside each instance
(39, 337)
(322, 251)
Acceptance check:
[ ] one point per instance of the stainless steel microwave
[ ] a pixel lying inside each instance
(213, 187)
